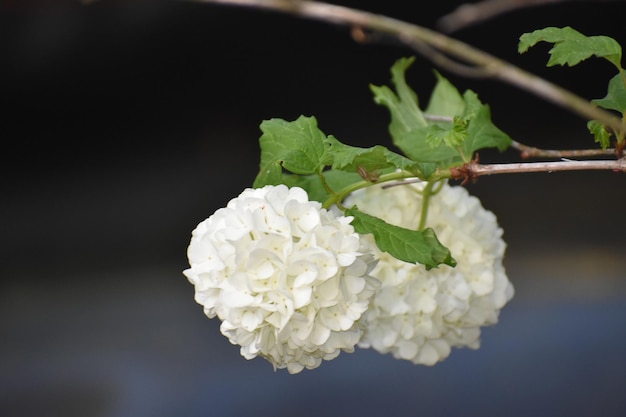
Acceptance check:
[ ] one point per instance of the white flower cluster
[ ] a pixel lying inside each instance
(420, 315)
(294, 283)
(289, 280)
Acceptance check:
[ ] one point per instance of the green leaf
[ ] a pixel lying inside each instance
(415, 145)
(409, 128)
(299, 154)
(449, 134)
(299, 147)
(376, 158)
(600, 134)
(405, 113)
(445, 100)
(440, 143)
(455, 143)
(481, 132)
(571, 47)
(615, 98)
(407, 245)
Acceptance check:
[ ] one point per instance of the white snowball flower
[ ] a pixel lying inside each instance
(420, 315)
(289, 279)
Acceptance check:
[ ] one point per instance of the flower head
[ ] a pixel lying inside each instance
(288, 279)
(420, 315)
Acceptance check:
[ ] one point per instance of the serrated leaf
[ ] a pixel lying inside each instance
(615, 98)
(376, 158)
(571, 47)
(481, 132)
(298, 153)
(408, 127)
(600, 134)
(403, 106)
(440, 143)
(415, 145)
(407, 245)
(299, 147)
(445, 100)
(451, 135)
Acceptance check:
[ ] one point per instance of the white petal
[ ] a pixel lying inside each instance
(353, 284)
(320, 334)
(301, 296)
(251, 320)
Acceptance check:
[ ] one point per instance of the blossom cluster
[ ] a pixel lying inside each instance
(288, 279)
(295, 284)
(419, 315)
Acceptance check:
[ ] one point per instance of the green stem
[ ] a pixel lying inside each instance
(337, 198)
(426, 193)
(325, 183)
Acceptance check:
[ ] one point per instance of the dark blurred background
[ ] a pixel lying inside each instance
(125, 123)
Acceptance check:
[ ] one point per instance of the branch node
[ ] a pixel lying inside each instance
(465, 172)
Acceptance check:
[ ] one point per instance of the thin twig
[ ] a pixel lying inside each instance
(401, 182)
(412, 35)
(473, 170)
(436, 57)
(438, 118)
(532, 152)
(443, 61)
(470, 14)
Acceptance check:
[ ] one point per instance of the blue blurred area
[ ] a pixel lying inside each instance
(127, 123)
(133, 343)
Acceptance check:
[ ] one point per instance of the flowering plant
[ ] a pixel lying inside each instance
(336, 246)
(296, 283)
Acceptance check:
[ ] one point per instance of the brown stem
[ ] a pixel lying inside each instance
(532, 152)
(473, 170)
(471, 14)
(413, 35)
